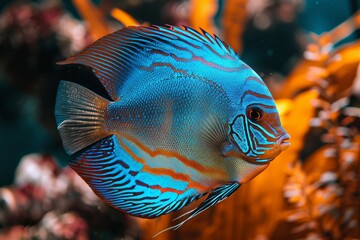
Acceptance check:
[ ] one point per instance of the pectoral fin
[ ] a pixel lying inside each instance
(213, 130)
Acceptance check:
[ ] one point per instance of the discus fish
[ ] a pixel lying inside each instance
(186, 118)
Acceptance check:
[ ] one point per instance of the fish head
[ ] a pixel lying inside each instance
(255, 132)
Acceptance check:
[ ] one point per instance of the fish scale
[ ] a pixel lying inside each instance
(186, 118)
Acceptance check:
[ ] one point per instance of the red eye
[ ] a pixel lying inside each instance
(254, 114)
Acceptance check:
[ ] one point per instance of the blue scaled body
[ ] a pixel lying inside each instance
(186, 118)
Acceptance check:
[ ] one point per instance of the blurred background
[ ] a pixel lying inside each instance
(307, 52)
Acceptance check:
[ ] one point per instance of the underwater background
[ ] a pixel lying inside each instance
(308, 54)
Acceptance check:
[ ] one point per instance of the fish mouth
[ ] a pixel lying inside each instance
(283, 142)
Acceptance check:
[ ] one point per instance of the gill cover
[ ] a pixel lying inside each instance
(256, 132)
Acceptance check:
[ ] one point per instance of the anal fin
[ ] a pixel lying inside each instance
(116, 178)
(217, 195)
(103, 168)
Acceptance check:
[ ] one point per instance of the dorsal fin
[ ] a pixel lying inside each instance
(113, 58)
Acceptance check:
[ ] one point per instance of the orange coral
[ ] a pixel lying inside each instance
(94, 17)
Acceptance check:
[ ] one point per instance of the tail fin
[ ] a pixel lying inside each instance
(79, 116)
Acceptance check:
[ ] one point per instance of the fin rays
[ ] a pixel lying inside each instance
(79, 115)
(216, 196)
(127, 45)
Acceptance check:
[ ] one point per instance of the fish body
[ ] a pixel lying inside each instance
(187, 118)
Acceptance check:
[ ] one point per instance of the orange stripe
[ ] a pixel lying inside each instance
(164, 171)
(132, 154)
(166, 189)
(193, 164)
(177, 176)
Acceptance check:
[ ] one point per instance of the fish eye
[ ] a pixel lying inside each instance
(254, 114)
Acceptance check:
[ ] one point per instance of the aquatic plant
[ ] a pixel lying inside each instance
(323, 190)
